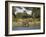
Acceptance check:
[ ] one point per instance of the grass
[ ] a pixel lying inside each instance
(34, 22)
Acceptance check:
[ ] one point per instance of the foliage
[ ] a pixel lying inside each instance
(36, 12)
(34, 18)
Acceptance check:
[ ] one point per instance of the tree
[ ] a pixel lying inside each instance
(36, 12)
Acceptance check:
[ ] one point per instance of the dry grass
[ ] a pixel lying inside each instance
(33, 22)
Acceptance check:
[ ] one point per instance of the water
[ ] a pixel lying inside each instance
(26, 28)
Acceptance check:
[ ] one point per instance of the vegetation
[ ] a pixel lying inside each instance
(27, 20)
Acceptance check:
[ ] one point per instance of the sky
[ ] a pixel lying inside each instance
(22, 9)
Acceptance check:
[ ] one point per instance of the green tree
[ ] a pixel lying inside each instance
(36, 12)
